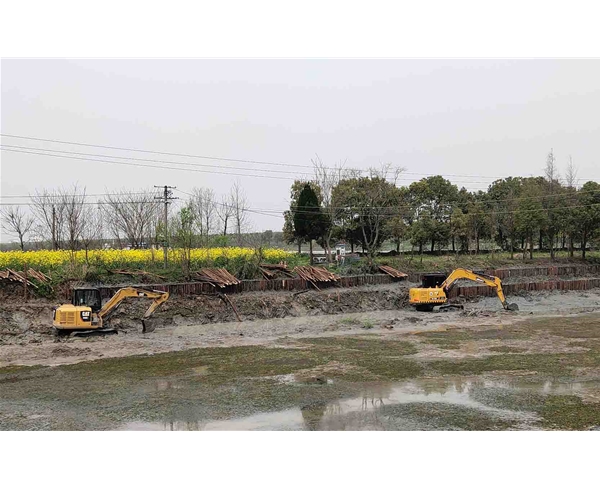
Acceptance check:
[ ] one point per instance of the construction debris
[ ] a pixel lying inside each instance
(23, 276)
(272, 271)
(217, 277)
(394, 273)
(315, 274)
(227, 300)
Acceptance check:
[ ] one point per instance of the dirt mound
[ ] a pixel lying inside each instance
(35, 317)
(70, 351)
(265, 305)
(25, 318)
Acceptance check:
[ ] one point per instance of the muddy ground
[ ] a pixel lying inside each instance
(182, 323)
(353, 361)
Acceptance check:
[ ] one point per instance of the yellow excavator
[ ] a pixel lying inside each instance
(86, 316)
(427, 297)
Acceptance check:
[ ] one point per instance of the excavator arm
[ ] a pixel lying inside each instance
(492, 281)
(159, 297)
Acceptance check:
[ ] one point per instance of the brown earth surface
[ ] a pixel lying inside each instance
(268, 318)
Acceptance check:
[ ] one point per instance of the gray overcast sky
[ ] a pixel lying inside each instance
(475, 117)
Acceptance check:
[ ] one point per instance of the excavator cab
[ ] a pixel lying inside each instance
(88, 297)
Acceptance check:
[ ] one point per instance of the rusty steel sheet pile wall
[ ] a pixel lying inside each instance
(298, 284)
(515, 288)
(530, 271)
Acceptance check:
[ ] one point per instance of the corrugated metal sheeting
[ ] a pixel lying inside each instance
(296, 284)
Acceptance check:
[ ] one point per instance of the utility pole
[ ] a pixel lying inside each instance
(166, 198)
(54, 228)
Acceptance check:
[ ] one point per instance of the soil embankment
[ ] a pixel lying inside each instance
(206, 320)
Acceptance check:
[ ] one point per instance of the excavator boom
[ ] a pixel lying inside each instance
(159, 298)
(426, 298)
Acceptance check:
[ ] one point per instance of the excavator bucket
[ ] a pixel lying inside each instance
(148, 325)
(513, 307)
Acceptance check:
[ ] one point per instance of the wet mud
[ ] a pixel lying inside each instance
(512, 373)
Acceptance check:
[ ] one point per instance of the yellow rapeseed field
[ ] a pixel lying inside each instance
(119, 257)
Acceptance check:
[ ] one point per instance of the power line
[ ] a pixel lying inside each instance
(216, 158)
(122, 163)
(182, 163)
(59, 195)
(250, 161)
(145, 165)
(32, 204)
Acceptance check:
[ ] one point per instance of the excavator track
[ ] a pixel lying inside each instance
(93, 332)
(450, 307)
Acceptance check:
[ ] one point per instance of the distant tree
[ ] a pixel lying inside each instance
(477, 218)
(267, 237)
(459, 229)
(225, 213)
(437, 196)
(588, 213)
(15, 221)
(503, 196)
(133, 217)
(92, 228)
(571, 174)
(239, 204)
(310, 222)
(398, 224)
(552, 202)
(183, 238)
(530, 216)
(289, 230)
(203, 205)
(421, 231)
(369, 203)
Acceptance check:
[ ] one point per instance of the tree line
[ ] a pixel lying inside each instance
(68, 218)
(517, 214)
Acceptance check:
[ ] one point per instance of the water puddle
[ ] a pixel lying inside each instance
(367, 411)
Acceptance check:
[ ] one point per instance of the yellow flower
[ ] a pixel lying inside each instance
(113, 258)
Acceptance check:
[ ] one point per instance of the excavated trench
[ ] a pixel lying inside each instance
(29, 321)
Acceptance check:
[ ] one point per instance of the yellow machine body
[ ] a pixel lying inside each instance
(74, 317)
(420, 296)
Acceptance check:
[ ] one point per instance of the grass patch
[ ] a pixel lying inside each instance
(459, 336)
(350, 321)
(564, 412)
(368, 324)
(558, 364)
(507, 349)
(443, 416)
(382, 358)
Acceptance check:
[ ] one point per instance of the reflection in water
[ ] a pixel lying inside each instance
(364, 412)
(312, 415)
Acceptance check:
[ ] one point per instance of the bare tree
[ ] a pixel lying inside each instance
(92, 230)
(552, 175)
(551, 169)
(571, 174)
(204, 208)
(327, 179)
(239, 203)
(224, 212)
(388, 172)
(73, 204)
(132, 216)
(16, 221)
(48, 209)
